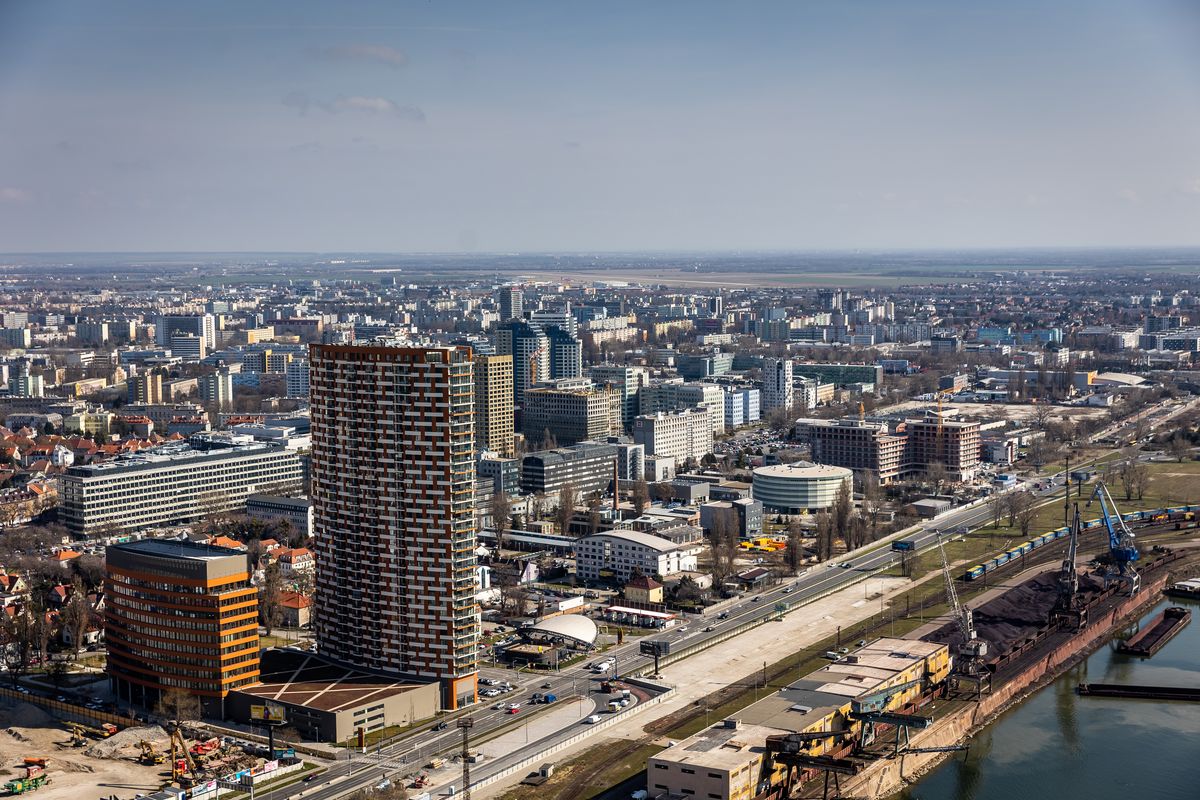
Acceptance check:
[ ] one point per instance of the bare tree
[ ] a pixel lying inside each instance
(872, 500)
(500, 510)
(593, 506)
(723, 543)
(1179, 447)
(1128, 479)
(270, 597)
(996, 505)
(1041, 452)
(1042, 412)
(842, 508)
(19, 641)
(1140, 478)
(76, 616)
(1018, 506)
(1026, 513)
(178, 705)
(568, 498)
(936, 476)
(639, 495)
(825, 535)
(795, 546)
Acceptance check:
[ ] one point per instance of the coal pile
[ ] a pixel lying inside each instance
(1016, 614)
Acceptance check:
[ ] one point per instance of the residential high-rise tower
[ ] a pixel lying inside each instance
(394, 511)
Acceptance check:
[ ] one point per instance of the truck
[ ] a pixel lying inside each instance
(23, 785)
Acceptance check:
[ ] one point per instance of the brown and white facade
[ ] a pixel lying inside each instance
(394, 511)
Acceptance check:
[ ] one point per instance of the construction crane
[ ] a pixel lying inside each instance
(969, 663)
(1067, 610)
(1122, 547)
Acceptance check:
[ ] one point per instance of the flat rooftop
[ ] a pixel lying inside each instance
(722, 748)
(177, 548)
(304, 679)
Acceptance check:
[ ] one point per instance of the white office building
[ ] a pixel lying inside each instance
(675, 435)
(617, 554)
(742, 406)
(174, 483)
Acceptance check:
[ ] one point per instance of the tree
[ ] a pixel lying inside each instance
(568, 498)
(996, 505)
(1041, 452)
(76, 616)
(178, 705)
(872, 500)
(1139, 476)
(779, 421)
(1042, 412)
(936, 475)
(1020, 506)
(1026, 513)
(500, 510)
(19, 637)
(639, 495)
(1179, 447)
(795, 546)
(842, 507)
(270, 597)
(723, 542)
(1128, 479)
(824, 536)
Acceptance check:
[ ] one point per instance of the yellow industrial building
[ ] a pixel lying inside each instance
(729, 761)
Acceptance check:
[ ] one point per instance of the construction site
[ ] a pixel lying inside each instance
(883, 713)
(64, 759)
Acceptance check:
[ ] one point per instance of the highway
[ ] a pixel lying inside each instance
(409, 754)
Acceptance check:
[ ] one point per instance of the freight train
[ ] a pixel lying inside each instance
(1158, 515)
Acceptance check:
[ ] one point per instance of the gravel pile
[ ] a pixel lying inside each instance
(126, 742)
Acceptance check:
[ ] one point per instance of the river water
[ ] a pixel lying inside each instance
(1060, 746)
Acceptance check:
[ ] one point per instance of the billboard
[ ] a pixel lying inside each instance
(655, 648)
(270, 714)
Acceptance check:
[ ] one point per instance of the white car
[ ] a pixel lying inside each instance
(592, 720)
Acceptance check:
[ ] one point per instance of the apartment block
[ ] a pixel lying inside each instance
(393, 493)
(779, 389)
(587, 466)
(494, 404)
(861, 446)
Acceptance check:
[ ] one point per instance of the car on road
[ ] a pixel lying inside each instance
(514, 709)
(547, 685)
(788, 590)
(755, 599)
(723, 615)
(309, 779)
(499, 706)
(592, 720)
(709, 628)
(441, 726)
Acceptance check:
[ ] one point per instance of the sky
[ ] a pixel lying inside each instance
(601, 126)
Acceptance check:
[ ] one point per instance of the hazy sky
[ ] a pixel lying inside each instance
(598, 126)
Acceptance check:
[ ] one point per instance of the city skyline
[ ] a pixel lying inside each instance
(699, 127)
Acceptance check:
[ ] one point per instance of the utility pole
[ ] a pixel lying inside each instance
(1067, 490)
(466, 723)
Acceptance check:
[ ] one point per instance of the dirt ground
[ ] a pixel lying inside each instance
(75, 772)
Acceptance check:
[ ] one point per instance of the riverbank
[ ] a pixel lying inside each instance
(887, 777)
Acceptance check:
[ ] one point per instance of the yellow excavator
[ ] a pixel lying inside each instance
(149, 755)
(78, 739)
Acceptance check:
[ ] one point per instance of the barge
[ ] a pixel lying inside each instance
(1185, 589)
(1151, 639)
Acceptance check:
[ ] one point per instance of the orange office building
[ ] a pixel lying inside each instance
(179, 615)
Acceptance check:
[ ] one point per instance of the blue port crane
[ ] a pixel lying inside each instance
(1122, 546)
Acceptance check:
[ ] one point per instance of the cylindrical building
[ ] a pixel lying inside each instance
(797, 488)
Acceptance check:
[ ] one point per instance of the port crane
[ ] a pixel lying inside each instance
(790, 749)
(1122, 546)
(1067, 611)
(968, 666)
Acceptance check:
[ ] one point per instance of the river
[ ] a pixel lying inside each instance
(1062, 746)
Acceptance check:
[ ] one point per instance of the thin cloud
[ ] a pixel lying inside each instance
(377, 105)
(381, 106)
(11, 194)
(377, 53)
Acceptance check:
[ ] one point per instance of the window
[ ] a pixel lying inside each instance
(714, 775)
(660, 766)
(687, 771)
